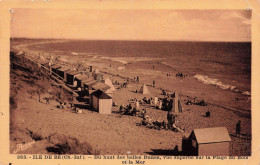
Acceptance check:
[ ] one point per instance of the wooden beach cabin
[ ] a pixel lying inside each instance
(100, 86)
(70, 76)
(79, 78)
(101, 102)
(208, 141)
(61, 71)
(89, 83)
(54, 69)
(83, 82)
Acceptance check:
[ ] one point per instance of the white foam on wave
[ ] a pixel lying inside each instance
(74, 53)
(115, 59)
(121, 61)
(218, 83)
(212, 81)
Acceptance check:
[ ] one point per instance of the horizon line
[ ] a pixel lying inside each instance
(126, 40)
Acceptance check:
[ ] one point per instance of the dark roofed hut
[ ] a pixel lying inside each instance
(70, 76)
(61, 71)
(100, 86)
(101, 102)
(54, 69)
(86, 81)
(89, 83)
(79, 78)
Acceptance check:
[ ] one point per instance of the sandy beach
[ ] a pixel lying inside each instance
(115, 133)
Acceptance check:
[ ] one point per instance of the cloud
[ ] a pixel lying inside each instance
(244, 17)
(206, 25)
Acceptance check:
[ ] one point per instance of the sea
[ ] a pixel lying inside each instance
(226, 65)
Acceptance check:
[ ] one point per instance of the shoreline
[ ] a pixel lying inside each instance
(225, 109)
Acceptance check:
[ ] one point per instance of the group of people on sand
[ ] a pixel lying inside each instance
(169, 125)
(181, 75)
(165, 103)
(147, 101)
(201, 102)
(122, 85)
(134, 110)
(128, 110)
(125, 83)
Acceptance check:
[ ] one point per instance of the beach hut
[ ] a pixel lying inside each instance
(144, 90)
(54, 69)
(70, 76)
(101, 102)
(100, 86)
(208, 141)
(83, 82)
(79, 78)
(61, 71)
(110, 84)
(89, 83)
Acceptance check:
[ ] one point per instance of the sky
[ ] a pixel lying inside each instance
(98, 24)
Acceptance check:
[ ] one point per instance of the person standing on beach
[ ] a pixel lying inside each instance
(153, 83)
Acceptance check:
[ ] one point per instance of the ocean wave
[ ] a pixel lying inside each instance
(211, 81)
(74, 53)
(121, 60)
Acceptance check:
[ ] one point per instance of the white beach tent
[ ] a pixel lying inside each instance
(144, 90)
(110, 84)
(176, 104)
